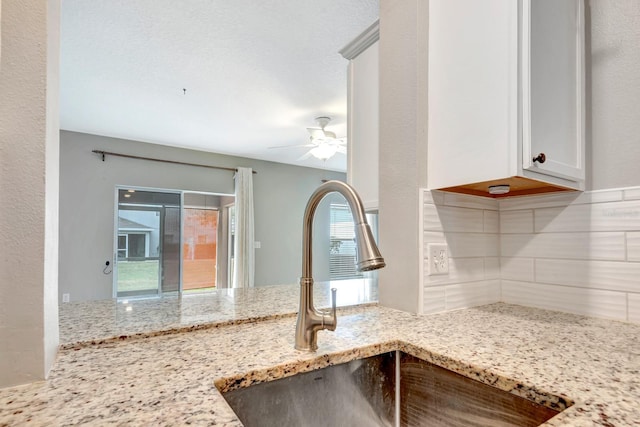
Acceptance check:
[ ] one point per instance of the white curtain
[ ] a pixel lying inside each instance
(243, 272)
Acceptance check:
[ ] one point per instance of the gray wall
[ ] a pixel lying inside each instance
(87, 198)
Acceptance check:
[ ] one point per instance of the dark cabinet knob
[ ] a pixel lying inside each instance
(540, 158)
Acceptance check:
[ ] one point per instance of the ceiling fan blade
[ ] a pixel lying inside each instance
(304, 157)
(293, 146)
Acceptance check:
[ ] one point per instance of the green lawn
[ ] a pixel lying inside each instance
(137, 275)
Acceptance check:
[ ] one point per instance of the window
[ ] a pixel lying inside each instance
(132, 246)
(122, 246)
(137, 246)
(342, 256)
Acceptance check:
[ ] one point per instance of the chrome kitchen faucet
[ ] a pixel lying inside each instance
(311, 320)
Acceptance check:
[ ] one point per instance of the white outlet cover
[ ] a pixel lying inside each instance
(66, 297)
(438, 258)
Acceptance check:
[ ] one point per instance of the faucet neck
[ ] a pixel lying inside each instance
(357, 212)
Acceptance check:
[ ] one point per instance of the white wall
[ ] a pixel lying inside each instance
(402, 168)
(28, 183)
(87, 188)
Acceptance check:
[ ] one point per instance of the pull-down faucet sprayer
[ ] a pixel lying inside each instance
(311, 320)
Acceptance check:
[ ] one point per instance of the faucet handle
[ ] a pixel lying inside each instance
(329, 318)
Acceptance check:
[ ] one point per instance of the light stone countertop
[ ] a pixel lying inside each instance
(170, 379)
(96, 322)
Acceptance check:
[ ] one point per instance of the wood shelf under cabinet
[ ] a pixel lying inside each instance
(519, 186)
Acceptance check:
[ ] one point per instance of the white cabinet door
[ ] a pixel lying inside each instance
(553, 87)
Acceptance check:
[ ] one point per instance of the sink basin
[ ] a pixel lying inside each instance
(377, 391)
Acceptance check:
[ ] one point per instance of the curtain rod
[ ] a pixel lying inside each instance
(129, 156)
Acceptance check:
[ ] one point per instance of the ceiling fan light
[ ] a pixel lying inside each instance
(324, 151)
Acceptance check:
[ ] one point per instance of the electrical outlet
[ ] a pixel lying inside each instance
(438, 255)
(66, 297)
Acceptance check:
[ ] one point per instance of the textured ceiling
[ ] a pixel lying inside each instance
(256, 73)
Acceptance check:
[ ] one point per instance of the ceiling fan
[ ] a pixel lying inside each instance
(323, 144)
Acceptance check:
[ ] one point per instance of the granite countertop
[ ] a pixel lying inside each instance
(97, 322)
(170, 379)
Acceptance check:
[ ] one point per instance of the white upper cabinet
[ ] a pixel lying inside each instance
(363, 133)
(506, 85)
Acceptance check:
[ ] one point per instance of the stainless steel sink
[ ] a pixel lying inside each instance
(377, 391)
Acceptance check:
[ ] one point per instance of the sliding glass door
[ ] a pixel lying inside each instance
(147, 243)
(170, 241)
(200, 251)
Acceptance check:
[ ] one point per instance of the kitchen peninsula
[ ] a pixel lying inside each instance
(171, 379)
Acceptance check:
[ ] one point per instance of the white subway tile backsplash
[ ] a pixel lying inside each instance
(460, 270)
(632, 193)
(560, 199)
(434, 300)
(588, 302)
(633, 301)
(466, 245)
(573, 252)
(473, 294)
(633, 246)
(427, 197)
(615, 276)
(491, 268)
(620, 216)
(452, 219)
(531, 202)
(433, 197)
(521, 269)
(433, 237)
(430, 218)
(517, 245)
(566, 218)
(491, 222)
(595, 246)
(516, 221)
(473, 202)
(469, 225)
(600, 196)
(492, 245)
